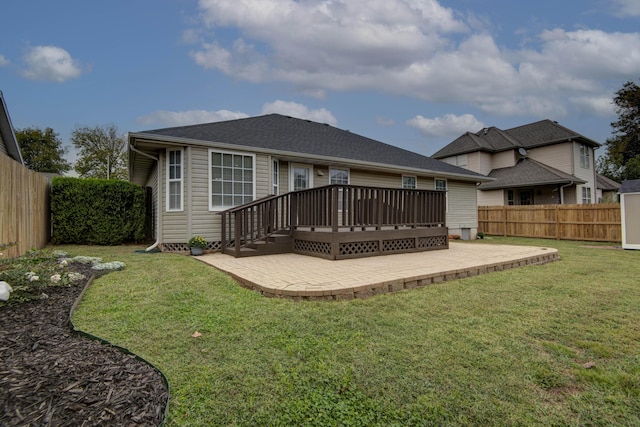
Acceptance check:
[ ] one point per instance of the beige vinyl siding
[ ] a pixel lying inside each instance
(376, 179)
(203, 222)
(284, 177)
(491, 198)
(463, 206)
(557, 156)
(503, 159)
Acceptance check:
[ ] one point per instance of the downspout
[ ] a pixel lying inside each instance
(562, 187)
(132, 148)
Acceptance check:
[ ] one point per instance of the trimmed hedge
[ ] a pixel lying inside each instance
(96, 211)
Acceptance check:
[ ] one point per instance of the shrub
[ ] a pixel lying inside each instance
(96, 211)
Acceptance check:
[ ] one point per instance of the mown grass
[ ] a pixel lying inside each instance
(507, 348)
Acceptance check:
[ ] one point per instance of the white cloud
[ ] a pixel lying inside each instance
(191, 117)
(626, 8)
(385, 121)
(50, 63)
(414, 48)
(448, 125)
(299, 111)
(4, 61)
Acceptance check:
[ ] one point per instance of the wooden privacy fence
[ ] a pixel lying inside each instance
(24, 208)
(591, 222)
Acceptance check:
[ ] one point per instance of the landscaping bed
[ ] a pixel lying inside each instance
(50, 375)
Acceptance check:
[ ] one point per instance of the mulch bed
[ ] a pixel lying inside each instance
(52, 376)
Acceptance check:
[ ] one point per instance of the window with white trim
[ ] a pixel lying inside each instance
(585, 157)
(275, 177)
(339, 176)
(174, 180)
(441, 185)
(231, 179)
(409, 182)
(586, 195)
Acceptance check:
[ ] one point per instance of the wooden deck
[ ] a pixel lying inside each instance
(338, 222)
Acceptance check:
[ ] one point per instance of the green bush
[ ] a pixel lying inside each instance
(96, 211)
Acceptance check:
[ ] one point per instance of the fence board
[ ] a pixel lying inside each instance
(590, 222)
(24, 207)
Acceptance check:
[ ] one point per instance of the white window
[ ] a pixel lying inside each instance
(339, 176)
(301, 177)
(586, 195)
(174, 180)
(441, 185)
(409, 182)
(231, 179)
(585, 157)
(276, 177)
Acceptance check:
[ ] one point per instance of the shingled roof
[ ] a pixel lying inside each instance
(630, 186)
(287, 135)
(606, 184)
(528, 172)
(492, 139)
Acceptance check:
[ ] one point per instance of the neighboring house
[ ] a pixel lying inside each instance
(630, 212)
(537, 163)
(8, 142)
(606, 189)
(195, 172)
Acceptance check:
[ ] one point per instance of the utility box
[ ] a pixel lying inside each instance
(630, 213)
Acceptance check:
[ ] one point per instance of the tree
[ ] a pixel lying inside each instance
(42, 150)
(101, 152)
(622, 158)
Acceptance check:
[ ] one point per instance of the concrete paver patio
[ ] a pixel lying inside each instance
(305, 277)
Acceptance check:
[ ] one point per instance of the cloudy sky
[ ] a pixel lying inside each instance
(412, 73)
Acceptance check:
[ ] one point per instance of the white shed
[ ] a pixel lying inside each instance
(630, 212)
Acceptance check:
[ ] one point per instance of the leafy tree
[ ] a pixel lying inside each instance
(622, 159)
(42, 150)
(101, 152)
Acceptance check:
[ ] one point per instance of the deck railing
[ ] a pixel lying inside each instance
(333, 208)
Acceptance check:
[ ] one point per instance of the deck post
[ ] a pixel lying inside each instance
(334, 208)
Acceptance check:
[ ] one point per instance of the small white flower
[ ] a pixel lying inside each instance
(44, 296)
(34, 278)
(64, 263)
(55, 278)
(29, 274)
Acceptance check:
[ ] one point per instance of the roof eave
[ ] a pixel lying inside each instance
(170, 140)
(8, 134)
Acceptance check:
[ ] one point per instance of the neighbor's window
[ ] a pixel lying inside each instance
(174, 180)
(586, 195)
(585, 157)
(232, 179)
(510, 198)
(276, 176)
(409, 182)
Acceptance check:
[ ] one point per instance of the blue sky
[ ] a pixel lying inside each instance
(412, 73)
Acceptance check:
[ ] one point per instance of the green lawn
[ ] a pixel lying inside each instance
(507, 348)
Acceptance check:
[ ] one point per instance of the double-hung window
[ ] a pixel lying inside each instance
(275, 177)
(586, 195)
(409, 182)
(339, 176)
(174, 180)
(441, 185)
(585, 157)
(231, 179)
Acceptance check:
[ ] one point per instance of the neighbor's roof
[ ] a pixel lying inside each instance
(286, 135)
(528, 172)
(7, 134)
(606, 184)
(492, 140)
(630, 186)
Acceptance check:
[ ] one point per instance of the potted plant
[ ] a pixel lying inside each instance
(197, 244)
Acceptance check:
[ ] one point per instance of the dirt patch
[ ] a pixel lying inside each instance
(51, 376)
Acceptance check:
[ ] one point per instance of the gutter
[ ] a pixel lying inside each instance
(134, 149)
(562, 187)
(152, 138)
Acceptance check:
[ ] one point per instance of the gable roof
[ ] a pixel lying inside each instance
(528, 172)
(284, 135)
(493, 140)
(7, 136)
(630, 186)
(606, 184)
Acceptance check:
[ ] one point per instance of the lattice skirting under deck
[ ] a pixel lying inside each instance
(183, 247)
